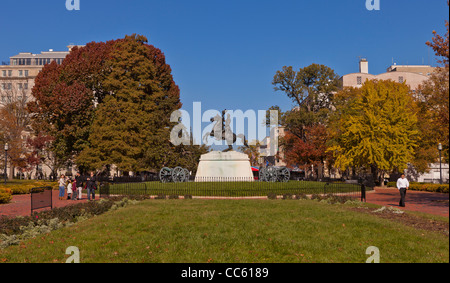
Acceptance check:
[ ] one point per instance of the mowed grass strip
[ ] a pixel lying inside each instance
(232, 231)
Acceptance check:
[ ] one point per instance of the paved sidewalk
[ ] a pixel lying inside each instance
(433, 203)
(21, 204)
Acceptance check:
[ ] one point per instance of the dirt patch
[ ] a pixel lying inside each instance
(444, 201)
(407, 219)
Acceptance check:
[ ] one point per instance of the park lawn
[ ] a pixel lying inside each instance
(234, 231)
(232, 189)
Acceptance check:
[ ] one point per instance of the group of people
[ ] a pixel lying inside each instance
(74, 187)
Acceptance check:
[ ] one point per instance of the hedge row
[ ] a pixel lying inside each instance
(5, 195)
(17, 229)
(425, 187)
(25, 188)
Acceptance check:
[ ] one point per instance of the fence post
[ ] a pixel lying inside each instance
(363, 193)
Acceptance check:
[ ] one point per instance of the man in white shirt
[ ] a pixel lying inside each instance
(402, 186)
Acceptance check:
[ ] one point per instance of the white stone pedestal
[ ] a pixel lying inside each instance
(229, 166)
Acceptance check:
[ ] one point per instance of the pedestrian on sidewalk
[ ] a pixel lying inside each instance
(79, 182)
(62, 187)
(69, 189)
(91, 186)
(402, 186)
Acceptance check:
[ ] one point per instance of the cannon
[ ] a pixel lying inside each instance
(274, 174)
(176, 175)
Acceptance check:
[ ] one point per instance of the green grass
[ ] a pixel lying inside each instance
(232, 189)
(232, 231)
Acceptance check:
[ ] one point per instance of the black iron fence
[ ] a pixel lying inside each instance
(231, 187)
(41, 198)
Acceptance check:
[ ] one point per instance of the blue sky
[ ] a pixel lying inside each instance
(225, 53)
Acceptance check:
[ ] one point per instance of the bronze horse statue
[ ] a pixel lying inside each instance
(222, 131)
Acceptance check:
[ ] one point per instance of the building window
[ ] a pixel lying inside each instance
(19, 86)
(9, 73)
(359, 80)
(401, 80)
(20, 73)
(6, 86)
(3, 73)
(26, 73)
(25, 85)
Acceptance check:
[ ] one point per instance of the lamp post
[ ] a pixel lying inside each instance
(6, 161)
(440, 163)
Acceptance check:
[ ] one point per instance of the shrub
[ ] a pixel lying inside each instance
(25, 188)
(435, 188)
(425, 187)
(5, 195)
(272, 196)
(188, 197)
(160, 196)
(174, 197)
(316, 197)
(15, 230)
(287, 196)
(300, 196)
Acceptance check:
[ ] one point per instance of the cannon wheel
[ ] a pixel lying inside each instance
(272, 174)
(178, 175)
(284, 175)
(165, 175)
(263, 175)
(188, 174)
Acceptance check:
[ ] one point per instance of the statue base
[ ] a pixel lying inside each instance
(228, 166)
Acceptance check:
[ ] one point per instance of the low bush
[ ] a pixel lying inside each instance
(161, 196)
(23, 188)
(435, 188)
(272, 196)
(287, 196)
(15, 230)
(300, 196)
(5, 195)
(425, 187)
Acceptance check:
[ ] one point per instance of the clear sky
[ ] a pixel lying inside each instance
(225, 53)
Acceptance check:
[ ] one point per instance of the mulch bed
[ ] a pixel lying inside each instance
(409, 220)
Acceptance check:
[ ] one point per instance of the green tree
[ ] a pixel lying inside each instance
(311, 89)
(374, 127)
(253, 152)
(132, 125)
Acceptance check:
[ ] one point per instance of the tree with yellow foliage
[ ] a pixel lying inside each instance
(374, 127)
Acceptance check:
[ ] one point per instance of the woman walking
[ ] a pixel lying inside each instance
(62, 187)
(69, 190)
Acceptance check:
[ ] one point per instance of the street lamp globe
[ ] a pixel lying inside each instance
(6, 146)
(440, 147)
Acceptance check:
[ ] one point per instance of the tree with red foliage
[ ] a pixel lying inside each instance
(107, 103)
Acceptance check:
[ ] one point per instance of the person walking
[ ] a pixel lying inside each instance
(402, 186)
(79, 182)
(91, 187)
(74, 188)
(69, 189)
(62, 187)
